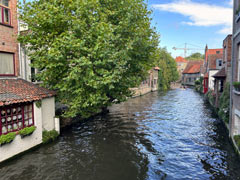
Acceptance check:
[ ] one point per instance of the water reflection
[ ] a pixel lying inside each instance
(169, 135)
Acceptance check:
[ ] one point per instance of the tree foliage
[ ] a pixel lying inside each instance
(195, 56)
(90, 51)
(168, 68)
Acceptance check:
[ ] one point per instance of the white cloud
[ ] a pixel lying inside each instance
(230, 3)
(201, 14)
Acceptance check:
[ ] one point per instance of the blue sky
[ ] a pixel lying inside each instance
(197, 22)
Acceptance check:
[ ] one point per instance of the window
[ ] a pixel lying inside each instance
(4, 2)
(6, 64)
(4, 12)
(14, 118)
(218, 52)
(219, 62)
(238, 62)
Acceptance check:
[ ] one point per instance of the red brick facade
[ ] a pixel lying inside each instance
(227, 53)
(8, 35)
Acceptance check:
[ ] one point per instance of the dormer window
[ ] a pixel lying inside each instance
(5, 12)
(218, 52)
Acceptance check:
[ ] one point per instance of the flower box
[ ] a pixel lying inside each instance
(26, 131)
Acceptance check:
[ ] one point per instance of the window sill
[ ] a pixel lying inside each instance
(7, 25)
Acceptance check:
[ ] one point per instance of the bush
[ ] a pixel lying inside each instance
(224, 103)
(197, 82)
(236, 85)
(4, 139)
(211, 97)
(237, 140)
(49, 136)
(27, 131)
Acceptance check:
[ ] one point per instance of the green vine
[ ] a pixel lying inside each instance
(39, 104)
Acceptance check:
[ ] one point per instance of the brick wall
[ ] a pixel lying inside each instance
(8, 35)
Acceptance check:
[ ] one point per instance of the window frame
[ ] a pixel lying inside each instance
(238, 62)
(22, 106)
(14, 70)
(2, 8)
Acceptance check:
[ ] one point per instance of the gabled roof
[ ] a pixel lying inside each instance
(212, 60)
(18, 91)
(180, 59)
(214, 51)
(193, 67)
(220, 74)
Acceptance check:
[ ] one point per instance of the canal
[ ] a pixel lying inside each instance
(170, 135)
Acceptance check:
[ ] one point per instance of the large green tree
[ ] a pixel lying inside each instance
(168, 68)
(195, 56)
(90, 51)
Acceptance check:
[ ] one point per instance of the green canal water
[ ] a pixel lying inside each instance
(171, 135)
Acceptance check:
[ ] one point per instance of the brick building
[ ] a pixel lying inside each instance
(213, 62)
(148, 85)
(224, 74)
(181, 64)
(192, 72)
(22, 104)
(234, 123)
(9, 60)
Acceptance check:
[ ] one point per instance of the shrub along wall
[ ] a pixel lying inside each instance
(224, 104)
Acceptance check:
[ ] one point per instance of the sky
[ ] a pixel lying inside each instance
(195, 22)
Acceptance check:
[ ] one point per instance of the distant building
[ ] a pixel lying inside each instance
(181, 64)
(224, 74)
(192, 72)
(213, 62)
(148, 85)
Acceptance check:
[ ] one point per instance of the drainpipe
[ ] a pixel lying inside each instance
(232, 78)
(25, 62)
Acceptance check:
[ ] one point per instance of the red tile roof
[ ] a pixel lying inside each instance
(214, 51)
(18, 91)
(212, 60)
(180, 59)
(193, 67)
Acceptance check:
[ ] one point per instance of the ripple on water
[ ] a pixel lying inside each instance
(169, 135)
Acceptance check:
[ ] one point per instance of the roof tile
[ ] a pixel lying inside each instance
(18, 90)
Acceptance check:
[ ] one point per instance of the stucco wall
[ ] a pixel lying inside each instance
(48, 113)
(20, 145)
(211, 79)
